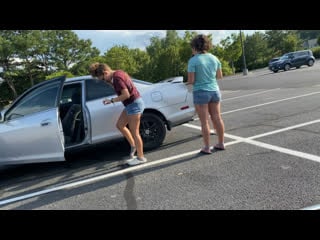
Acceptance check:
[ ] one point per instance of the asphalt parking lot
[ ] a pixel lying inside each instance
(272, 160)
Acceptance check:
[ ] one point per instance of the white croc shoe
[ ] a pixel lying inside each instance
(136, 161)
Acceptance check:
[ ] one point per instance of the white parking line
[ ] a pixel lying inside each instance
(284, 129)
(168, 159)
(267, 146)
(267, 103)
(98, 178)
(227, 99)
(314, 207)
(229, 91)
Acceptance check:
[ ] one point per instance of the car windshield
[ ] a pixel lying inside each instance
(284, 57)
(274, 59)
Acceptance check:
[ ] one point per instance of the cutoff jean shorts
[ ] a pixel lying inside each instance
(136, 107)
(204, 97)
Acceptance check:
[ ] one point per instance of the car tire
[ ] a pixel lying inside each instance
(287, 67)
(310, 63)
(152, 131)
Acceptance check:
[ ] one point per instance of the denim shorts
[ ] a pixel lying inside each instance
(204, 97)
(136, 107)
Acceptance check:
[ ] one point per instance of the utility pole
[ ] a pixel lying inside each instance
(245, 70)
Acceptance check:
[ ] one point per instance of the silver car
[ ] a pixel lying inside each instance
(64, 114)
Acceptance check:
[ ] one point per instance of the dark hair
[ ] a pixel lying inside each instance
(201, 43)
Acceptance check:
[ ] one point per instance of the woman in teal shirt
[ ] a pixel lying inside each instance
(203, 71)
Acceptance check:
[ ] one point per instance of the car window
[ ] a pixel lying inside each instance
(68, 93)
(96, 89)
(39, 99)
(300, 54)
(284, 57)
(273, 60)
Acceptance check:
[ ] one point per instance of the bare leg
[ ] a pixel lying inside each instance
(122, 126)
(134, 126)
(202, 111)
(214, 111)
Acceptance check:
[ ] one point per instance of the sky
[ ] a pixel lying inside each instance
(106, 39)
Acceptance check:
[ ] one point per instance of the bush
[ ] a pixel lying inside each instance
(316, 52)
(226, 69)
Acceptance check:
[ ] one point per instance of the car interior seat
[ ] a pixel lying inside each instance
(72, 119)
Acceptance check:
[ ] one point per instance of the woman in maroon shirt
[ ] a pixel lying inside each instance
(134, 106)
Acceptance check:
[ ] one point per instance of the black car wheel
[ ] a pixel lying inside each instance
(310, 63)
(287, 67)
(152, 131)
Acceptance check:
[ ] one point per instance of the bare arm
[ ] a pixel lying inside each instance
(219, 74)
(190, 78)
(124, 95)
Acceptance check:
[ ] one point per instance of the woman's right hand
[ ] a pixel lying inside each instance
(106, 101)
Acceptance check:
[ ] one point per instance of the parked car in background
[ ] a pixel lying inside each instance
(271, 61)
(61, 115)
(293, 59)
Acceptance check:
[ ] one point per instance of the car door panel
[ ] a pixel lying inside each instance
(103, 120)
(31, 131)
(33, 138)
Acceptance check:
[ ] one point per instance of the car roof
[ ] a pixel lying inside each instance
(80, 78)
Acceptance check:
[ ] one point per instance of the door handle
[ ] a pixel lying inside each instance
(45, 124)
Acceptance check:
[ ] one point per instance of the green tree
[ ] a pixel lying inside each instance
(142, 60)
(82, 68)
(67, 49)
(166, 56)
(308, 34)
(8, 54)
(291, 43)
(60, 74)
(28, 45)
(120, 57)
(256, 50)
(283, 41)
(232, 49)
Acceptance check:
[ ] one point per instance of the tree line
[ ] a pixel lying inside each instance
(28, 57)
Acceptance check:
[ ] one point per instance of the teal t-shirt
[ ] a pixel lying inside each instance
(205, 67)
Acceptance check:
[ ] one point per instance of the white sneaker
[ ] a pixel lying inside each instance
(128, 160)
(132, 152)
(136, 161)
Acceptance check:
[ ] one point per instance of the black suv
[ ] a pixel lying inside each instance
(272, 61)
(293, 59)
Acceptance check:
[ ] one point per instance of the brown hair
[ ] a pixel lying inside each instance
(201, 43)
(97, 69)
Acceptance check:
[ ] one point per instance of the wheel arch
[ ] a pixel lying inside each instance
(159, 114)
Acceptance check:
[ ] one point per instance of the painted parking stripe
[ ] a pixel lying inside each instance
(284, 129)
(267, 146)
(314, 207)
(101, 177)
(251, 94)
(268, 103)
(156, 162)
